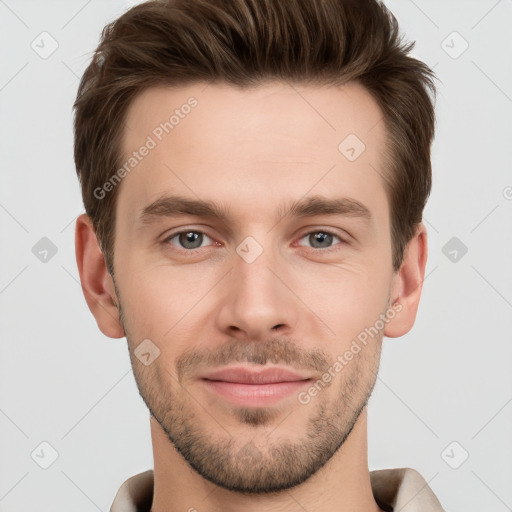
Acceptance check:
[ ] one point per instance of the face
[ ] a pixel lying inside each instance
(245, 238)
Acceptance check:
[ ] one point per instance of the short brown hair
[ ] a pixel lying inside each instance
(244, 43)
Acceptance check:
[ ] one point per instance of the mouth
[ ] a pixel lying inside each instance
(246, 387)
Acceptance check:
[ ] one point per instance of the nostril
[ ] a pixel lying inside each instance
(277, 326)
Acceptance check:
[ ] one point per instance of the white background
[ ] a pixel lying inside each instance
(449, 379)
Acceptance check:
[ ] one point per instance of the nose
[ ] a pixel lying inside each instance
(257, 301)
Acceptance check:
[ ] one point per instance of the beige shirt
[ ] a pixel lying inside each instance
(395, 490)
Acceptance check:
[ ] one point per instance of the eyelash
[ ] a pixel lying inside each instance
(193, 251)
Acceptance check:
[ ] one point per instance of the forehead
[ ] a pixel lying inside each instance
(253, 145)
(265, 112)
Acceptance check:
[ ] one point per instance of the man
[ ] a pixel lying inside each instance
(254, 174)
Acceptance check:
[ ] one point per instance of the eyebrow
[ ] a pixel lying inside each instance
(174, 206)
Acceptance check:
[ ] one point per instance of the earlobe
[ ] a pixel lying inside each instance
(408, 284)
(97, 283)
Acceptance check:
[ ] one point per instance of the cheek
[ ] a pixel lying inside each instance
(348, 300)
(156, 300)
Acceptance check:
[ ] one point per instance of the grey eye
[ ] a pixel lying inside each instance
(320, 239)
(189, 239)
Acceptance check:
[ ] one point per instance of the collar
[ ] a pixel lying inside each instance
(400, 489)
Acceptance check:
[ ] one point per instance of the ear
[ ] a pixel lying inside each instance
(97, 284)
(407, 285)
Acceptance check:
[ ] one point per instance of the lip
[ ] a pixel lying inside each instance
(244, 375)
(245, 387)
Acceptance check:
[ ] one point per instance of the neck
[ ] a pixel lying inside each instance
(341, 485)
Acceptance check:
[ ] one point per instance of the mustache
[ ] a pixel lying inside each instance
(274, 350)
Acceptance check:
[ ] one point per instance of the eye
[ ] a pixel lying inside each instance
(188, 239)
(191, 239)
(320, 239)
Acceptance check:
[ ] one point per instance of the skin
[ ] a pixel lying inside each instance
(296, 305)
